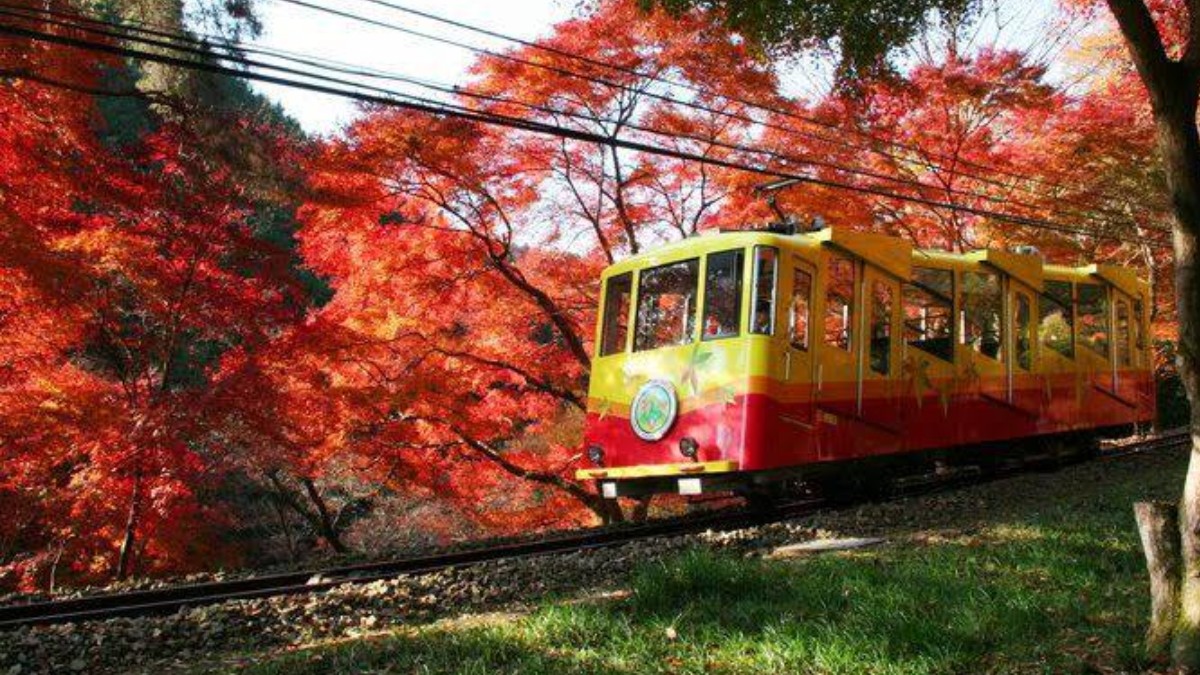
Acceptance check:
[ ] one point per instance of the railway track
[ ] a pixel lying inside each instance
(1164, 441)
(169, 600)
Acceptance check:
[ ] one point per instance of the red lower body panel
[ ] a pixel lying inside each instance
(779, 428)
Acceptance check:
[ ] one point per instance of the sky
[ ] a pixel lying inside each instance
(298, 29)
(1025, 24)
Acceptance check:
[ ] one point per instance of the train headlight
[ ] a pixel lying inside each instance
(596, 454)
(688, 447)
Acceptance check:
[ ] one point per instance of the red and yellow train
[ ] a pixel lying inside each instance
(742, 359)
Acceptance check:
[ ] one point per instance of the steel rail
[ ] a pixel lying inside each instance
(172, 599)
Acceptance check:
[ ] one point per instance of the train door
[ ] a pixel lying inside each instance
(879, 357)
(798, 359)
(1024, 386)
(837, 362)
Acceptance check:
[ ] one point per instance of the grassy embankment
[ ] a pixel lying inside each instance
(1032, 585)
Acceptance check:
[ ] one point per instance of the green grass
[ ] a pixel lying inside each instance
(1049, 588)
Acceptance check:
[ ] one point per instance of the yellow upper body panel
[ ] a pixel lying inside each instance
(702, 370)
(705, 369)
(888, 253)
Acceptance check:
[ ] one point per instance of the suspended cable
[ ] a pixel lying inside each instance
(1112, 213)
(201, 47)
(767, 107)
(409, 102)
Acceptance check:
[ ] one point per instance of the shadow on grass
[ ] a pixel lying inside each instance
(1045, 606)
(1057, 589)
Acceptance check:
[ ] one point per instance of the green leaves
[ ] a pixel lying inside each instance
(862, 34)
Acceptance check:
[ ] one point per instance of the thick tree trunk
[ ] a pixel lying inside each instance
(1186, 648)
(1173, 86)
(607, 510)
(1158, 525)
(1179, 143)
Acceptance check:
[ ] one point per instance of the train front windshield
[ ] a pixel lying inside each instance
(668, 298)
(666, 308)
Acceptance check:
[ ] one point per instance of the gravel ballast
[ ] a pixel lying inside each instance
(218, 634)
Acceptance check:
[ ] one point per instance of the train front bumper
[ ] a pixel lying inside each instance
(688, 478)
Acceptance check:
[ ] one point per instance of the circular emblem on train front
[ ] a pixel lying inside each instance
(653, 410)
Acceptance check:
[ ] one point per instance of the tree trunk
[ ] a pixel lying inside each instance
(641, 509)
(131, 523)
(54, 567)
(328, 531)
(319, 521)
(1158, 525)
(286, 527)
(1186, 648)
(1180, 146)
(607, 510)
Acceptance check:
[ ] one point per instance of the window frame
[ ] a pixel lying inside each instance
(1023, 358)
(1105, 314)
(637, 312)
(754, 295)
(797, 270)
(1069, 312)
(1122, 344)
(1001, 353)
(739, 294)
(937, 295)
(873, 322)
(604, 319)
(855, 277)
(1138, 308)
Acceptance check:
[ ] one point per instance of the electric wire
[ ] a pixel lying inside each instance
(410, 102)
(809, 119)
(460, 91)
(200, 47)
(924, 187)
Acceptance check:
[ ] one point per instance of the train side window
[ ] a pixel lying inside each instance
(839, 302)
(618, 291)
(1124, 356)
(1023, 325)
(723, 295)
(1093, 317)
(801, 308)
(881, 327)
(667, 305)
(981, 313)
(1057, 327)
(929, 312)
(766, 264)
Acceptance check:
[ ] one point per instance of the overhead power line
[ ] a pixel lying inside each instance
(395, 99)
(759, 105)
(201, 47)
(774, 154)
(1112, 214)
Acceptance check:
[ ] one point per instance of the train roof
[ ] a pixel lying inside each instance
(893, 254)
